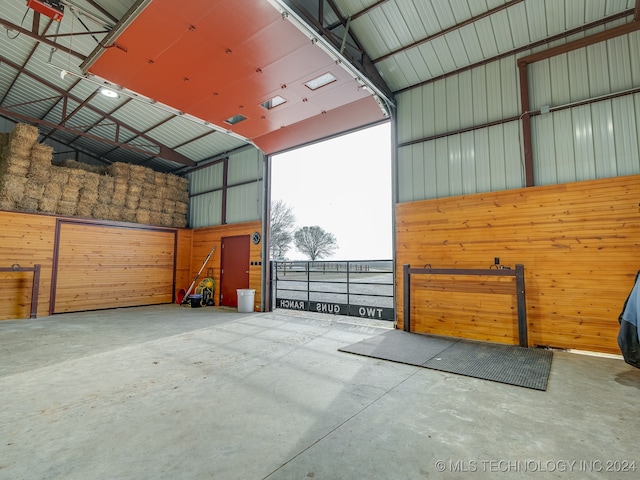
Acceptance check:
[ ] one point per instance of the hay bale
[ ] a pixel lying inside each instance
(119, 170)
(40, 165)
(33, 190)
(25, 134)
(143, 216)
(178, 221)
(21, 139)
(71, 191)
(100, 211)
(85, 209)
(145, 203)
(7, 204)
(66, 208)
(59, 175)
(160, 192)
(168, 206)
(18, 165)
(160, 179)
(165, 219)
(138, 174)
(129, 215)
(50, 197)
(47, 204)
(105, 189)
(181, 208)
(41, 154)
(155, 218)
(119, 191)
(13, 188)
(28, 204)
(70, 163)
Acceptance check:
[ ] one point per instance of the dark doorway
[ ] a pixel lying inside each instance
(234, 264)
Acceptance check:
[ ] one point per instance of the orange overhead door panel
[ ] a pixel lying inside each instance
(220, 59)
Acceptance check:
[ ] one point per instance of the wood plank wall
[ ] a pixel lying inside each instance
(205, 238)
(579, 244)
(109, 266)
(25, 240)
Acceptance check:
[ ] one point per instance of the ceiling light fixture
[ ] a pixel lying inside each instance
(108, 93)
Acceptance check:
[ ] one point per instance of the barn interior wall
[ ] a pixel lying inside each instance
(462, 134)
(204, 239)
(227, 191)
(29, 239)
(578, 243)
(87, 264)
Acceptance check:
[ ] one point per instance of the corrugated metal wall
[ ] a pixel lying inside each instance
(244, 191)
(598, 140)
(482, 160)
(582, 142)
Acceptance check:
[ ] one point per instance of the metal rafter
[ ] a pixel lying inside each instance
(448, 30)
(41, 38)
(163, 151)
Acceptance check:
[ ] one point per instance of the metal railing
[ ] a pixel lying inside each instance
(355, 288)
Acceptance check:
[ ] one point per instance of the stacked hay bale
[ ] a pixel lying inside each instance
(15, 160)
(120, 192)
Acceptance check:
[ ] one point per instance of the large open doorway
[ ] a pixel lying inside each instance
(342, 185)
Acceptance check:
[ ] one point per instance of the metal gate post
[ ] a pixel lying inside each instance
(522, 307)
(406, 296)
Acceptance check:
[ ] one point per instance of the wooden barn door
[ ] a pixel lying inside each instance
(108, 266)
(234, 272)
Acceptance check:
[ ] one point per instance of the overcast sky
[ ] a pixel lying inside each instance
(342, 185)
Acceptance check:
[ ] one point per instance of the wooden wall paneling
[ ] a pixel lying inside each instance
(579, 243)
(205, 238)
(108, 266)
(184, 259)
(26, 239)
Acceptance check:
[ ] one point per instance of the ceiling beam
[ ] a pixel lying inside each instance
(164, 151)
(581, 43)
(40, 38)
(448, 30)
(368, 9)
(516, 51)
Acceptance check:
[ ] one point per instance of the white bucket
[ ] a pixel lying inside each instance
(245, 299)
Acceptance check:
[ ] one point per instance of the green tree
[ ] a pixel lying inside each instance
(315, 242)
(282, 224)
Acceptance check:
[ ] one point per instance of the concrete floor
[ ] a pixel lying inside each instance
(168, 392)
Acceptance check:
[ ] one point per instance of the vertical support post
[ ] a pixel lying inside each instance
(348, 283)
(406, 298)
(308, 281)
(34, 291)
(522, 307)
(526, 125)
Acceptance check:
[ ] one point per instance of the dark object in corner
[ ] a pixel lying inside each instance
(628, 336)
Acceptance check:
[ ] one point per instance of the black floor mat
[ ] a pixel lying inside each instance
(510, 364)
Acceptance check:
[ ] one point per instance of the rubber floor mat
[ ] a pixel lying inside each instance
(510, 364)
(399, 346)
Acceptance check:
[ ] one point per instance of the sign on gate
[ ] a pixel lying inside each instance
(334, 283)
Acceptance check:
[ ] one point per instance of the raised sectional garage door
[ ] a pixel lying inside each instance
(108, 266)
